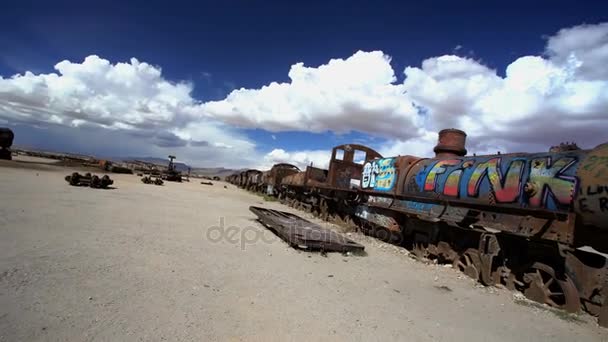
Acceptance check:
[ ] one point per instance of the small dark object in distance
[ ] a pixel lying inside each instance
(93, 181)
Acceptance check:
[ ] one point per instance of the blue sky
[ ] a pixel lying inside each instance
(216, 47)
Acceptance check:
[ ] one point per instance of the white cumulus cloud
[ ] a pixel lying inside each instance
(301, 159)
(540, 101)
(354, 94)
(129, 99)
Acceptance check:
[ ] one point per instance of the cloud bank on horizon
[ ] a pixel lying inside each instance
(541, 100)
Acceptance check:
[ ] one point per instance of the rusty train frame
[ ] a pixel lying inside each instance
(532, 222)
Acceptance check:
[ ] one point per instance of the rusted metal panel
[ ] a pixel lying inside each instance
(590, 274)
(313, 176)
(298, 179)
(273, 178)
(251, 179)
(592, 201)
(303, 234)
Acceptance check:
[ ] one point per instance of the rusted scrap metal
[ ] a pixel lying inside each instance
(6, 141)
(303, 234)
(89, 180)
(206, 183)
(149, 180)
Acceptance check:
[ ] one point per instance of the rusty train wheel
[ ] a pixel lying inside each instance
(469, 263)
(324, 210)
(420, 251)
(542, 286)
(503, 276)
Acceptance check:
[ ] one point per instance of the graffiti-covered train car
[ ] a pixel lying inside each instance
(528, 221)
(533, 222)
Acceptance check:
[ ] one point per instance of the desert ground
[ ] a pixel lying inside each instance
(189, 262)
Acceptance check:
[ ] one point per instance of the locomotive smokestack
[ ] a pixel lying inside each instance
(451, 143)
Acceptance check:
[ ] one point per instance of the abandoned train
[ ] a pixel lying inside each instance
(537, 223)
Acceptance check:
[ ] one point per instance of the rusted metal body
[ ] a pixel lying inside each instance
(6, 141)
(537, 210)
(251, 179)
(531, 195)
(302, 234)
(345, 168)
(271, 179)
(312, 176)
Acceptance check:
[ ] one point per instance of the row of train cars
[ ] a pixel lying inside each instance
(532, 222)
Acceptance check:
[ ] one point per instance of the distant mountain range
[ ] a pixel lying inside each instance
(163, 162)
(183, 167)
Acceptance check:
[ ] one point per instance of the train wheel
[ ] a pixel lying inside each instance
(542, 285)
(324, 210)
(420, 251)
(469, 263)
(348, 221)
(503, 276)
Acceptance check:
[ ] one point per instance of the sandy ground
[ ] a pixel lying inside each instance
(142, 262)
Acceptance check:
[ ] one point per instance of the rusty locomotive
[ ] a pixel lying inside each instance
(532, 222)
(268, 182)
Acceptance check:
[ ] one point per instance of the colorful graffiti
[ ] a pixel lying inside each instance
(550, 180)
(506, 188)
(379, 174)
(541, 181)
(440, 167)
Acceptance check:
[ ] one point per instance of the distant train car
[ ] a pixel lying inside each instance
(333, 191)
(251, 179)
(271, 179)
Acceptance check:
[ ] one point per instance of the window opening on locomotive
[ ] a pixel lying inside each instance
(360, 157)
(339, 154)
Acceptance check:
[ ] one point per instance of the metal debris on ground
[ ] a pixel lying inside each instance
(93, 181)
(303, 234)
(206, 183)
(149, 180)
